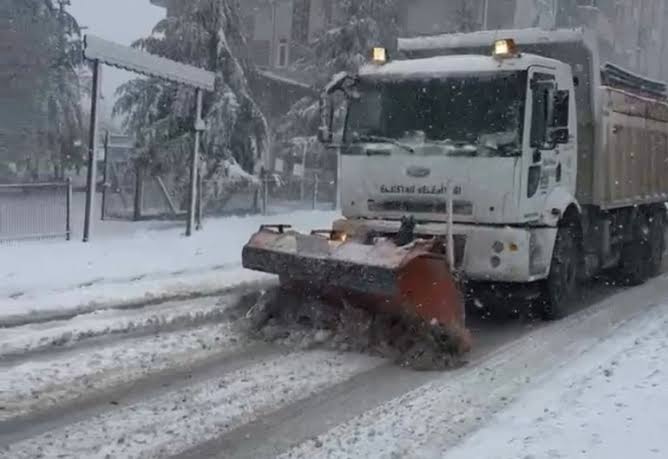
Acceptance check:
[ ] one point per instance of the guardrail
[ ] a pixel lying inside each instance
(34, 211)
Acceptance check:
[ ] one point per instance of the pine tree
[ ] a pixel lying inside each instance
(43, 84)
(360, 25)
(205, 34)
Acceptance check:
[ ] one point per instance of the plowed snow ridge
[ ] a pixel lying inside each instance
(34, 337)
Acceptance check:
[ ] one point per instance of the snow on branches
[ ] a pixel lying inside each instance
(207, 34)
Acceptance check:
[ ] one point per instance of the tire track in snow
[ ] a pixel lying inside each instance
(100, 402)
(179, 419)
(24, 341)
(80, 374)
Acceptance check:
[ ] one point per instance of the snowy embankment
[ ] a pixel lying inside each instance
(40, 281)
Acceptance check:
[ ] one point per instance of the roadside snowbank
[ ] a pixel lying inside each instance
(41, 281)
(609, 404)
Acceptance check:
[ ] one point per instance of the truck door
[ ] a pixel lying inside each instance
(539, 170)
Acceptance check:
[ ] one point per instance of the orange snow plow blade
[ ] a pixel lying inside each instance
(413, 280)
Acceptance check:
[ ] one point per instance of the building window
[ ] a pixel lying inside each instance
(249, 26)
(282, 53)
(301, 13)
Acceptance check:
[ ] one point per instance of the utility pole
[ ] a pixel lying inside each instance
(194, 168)
(485, 14)
(91, 178)
(274, 39)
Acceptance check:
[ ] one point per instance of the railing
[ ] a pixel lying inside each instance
(33, 211)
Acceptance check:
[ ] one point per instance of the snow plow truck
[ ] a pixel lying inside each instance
(491, 165)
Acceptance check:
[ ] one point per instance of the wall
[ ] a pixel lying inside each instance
(428, 17)
(501, 14)
(264, 35)
(631, 33)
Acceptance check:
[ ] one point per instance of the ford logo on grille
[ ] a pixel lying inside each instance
(418, 172)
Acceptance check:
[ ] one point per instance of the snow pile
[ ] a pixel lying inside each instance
(307, 323)
(61, 279)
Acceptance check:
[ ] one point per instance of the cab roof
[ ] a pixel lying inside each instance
(457, 64)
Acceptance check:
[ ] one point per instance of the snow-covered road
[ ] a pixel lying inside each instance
(178, 379)
(122, 348)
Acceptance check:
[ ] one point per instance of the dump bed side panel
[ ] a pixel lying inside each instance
(632, 162)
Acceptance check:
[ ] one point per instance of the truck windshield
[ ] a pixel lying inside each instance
(477, 115)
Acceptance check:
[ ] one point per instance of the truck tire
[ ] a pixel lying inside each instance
(560, 288)
(635, 264)
(657, 241)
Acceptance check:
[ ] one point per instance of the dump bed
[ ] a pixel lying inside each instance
(632, 161)
(622, 118)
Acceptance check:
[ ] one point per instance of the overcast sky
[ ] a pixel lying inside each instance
(122, 21)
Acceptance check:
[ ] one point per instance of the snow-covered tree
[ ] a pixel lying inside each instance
(360, 25)
(49, 89)
(206, 34)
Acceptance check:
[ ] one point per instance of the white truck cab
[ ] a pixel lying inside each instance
(499, 129)
(497, 134)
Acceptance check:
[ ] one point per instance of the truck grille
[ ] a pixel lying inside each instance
(423, 206)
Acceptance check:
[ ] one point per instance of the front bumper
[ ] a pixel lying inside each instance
(482, 253)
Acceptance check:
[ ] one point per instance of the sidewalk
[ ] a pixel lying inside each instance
(127, 263)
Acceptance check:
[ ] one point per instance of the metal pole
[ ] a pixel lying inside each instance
(68, 210)
(194, 166)
(485, 14)
(92, 148)
(105, 185)
(302, 185)
(274, 47)
(265, 190)
(337, 204)
(199, 203)
(451, 238)
(139, 191)
(315, 191)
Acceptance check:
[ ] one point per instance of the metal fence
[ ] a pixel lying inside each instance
(310, 192)
(32, 211)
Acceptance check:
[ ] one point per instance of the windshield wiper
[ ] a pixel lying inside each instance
(378, 138)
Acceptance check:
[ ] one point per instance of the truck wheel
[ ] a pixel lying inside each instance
(560, 287)
(657, 242)
(635, 266)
